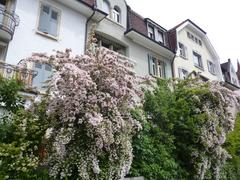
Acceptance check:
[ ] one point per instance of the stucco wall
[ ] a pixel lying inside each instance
(26, 40)
(188, 63)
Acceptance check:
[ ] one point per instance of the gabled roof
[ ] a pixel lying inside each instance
(188, 20)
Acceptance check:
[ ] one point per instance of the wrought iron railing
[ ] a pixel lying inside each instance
(22, 74)
(8, 21)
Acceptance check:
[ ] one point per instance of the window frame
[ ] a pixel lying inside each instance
(160, 34)
(149, 26)
(52, 7)
(154, 68)
(210, 63)
(200, 63)
(184, 75)
(116, 14)
(184, 50)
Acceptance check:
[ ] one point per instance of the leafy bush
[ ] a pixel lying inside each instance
(231, 170)
(184, 132)
(21, 134)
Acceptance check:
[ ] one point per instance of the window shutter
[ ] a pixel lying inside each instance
(150, 65)
(53, 23)
(44, 21)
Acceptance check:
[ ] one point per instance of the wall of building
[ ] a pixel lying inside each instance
(26, 39)
(188, 64)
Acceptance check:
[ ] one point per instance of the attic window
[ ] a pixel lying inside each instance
(151, 32)
(117, 14)
(160, 37)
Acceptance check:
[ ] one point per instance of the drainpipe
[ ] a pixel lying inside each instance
(88, 20)
(86, 28)
(172, 64)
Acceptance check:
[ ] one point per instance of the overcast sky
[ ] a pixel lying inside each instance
(219, 18)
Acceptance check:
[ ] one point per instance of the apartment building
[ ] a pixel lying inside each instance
(194, 52)
(136, 38)
(231, 80)
(29, 26)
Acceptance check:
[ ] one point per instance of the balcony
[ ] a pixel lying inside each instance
(8, 22)
(22, 74)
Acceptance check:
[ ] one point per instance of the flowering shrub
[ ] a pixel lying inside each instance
(88, 107)
(187, 123)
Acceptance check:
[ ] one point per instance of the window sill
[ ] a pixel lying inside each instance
(47, 35)
(201, 68)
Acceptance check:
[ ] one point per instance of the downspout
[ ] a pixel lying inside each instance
(172, 64)
(86, 28)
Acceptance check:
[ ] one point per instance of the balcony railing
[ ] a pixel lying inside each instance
(22, 74)
(8, 21)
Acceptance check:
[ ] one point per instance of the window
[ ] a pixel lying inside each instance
(183, 50)
(44, 71)
(200, 42)
(49, 20)
(106, 7)
(160, 37)
(197, 59)
(183, 74)
(3, 51)
(151, 32)
(211, 67)
(103, 42)
(3, 2)
(156, 67)
(116, 14)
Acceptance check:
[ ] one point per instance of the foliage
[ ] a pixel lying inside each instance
(88, 108)
(191, 119)
(10, 100)
(154, 147)
(231, 169)
(20, 134)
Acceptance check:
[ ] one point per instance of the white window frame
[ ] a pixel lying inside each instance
(157, 67)
(116, 14)
(211, 67)
(160, 37)
(183, 50)
(199, 64)
(183, 73)
(59, 12)
(151, 32)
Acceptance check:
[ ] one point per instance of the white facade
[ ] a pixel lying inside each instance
(195, 53)
(27, 38)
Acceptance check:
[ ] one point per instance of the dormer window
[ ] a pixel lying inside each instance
(160, 37)
(151, 32)
(117, 14)
(106, 7)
